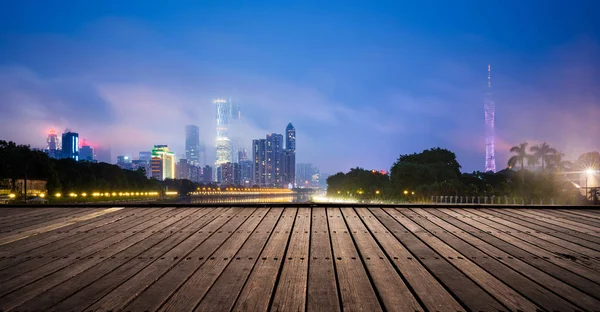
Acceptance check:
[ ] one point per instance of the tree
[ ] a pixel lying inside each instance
(521, 151)
(543, 152)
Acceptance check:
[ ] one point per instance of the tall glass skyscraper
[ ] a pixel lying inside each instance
(192, 144)
(223, 144)
(259, 148)
(70, 145)
(274, 158)
(289, 156)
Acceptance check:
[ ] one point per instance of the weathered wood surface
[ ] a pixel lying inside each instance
(363, 258)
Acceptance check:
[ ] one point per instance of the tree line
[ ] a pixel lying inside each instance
(436, 172)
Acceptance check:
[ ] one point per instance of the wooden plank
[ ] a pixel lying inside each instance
(10, 230)
(67, 247)
(259, 287)
(65, 268)
(322, 292)
(290, 294)
(48, 238)
(467, 291)
(584, 213)
(550, 292)
(170, 248)
(565, 214)
(120, 296)
(547, 224)
(29, 214)
(550, 214)
(211, 236)
(195, 287)
(433, 295)
(389, 285)
(575, 265)
(57, 215)
(546, 241)
(508, 296)
(557, 267)
(224, 292)
(356, 290)
(539, 226)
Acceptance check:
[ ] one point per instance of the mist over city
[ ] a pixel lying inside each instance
(361, 83)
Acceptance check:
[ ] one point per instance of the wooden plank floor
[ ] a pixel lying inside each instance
(363, 258)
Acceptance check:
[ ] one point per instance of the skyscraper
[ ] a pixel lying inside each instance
(207, 174)
(192, 144)
(307, 175)
(70, 145)
(53, 145)
(259, 148)
(289, 156)
(274, 154)
(163, 163)
(490, 131)
(86, 153)
(223, 144)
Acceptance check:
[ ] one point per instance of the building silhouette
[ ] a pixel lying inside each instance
(259, 153)
(53, 146)
(192, 144)
(288, 162)
(70, 145)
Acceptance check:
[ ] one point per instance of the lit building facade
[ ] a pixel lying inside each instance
(192, 144)
(70, 145)
(207, 174)
(183, 169)
(274, 152)
(289, 156)
(307, 175)
(259, 149)
(223, 146)
(246, 173)
(53, 146)
(162, 163)
(230, 173)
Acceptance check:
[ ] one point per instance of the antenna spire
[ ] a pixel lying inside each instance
(489, 76)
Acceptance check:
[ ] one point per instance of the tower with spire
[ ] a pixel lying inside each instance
(490, 131)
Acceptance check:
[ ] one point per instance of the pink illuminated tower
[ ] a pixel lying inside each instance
(490, 131)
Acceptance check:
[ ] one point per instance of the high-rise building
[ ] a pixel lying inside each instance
(183, 169)
(307, 175)
(207, 174)
(490, 130)
(124, 162)
(242, 155)
(259, 152)
(53, 146)
(192, 144)
(246, 173)
(163, 163)
(274, 153)
(289, 156)
(70, 145)
(147, 156)
(230, 173)
(195, 173)
(223, 143)
(141, 164)
(86, 153)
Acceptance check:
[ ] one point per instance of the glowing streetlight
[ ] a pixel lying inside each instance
(377, 192)
(405, 192)
(590, 171)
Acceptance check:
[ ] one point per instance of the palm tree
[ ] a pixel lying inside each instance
(544, 152)
(521, 151)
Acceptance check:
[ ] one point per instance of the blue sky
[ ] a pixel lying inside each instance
(363, 82)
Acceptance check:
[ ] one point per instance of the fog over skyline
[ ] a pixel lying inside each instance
(361, 82)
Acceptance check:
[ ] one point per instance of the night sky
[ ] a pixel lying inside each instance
(362, 82)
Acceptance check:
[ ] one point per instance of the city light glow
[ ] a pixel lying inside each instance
(12, 195)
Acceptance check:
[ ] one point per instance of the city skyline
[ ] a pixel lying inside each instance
(414, 85)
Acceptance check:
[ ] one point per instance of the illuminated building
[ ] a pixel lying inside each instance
(124, 162)
(192, 144)
(246, 173)
(163, 163)
(86, 153)
(259, 161)
(183, 169)
(70, 145)
(223, 144)
(274, 152)
(289, 156)
(230, 173)
(490, 131)
(53, 146)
